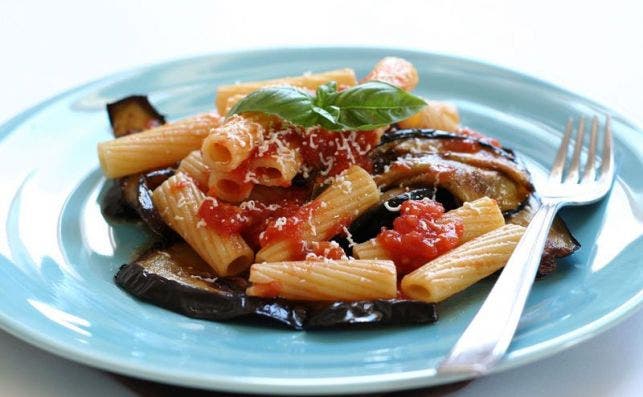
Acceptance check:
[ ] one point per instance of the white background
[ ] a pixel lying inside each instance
(593, 48)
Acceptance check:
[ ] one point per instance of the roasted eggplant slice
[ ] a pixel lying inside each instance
(112, 203)
(383, 312)
(468, 168)
(465, 182)
(133, 114)
(176, 278)
(137, 192)
(560, 242)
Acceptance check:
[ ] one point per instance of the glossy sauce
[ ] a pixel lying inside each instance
(249, 218)
(417, 237)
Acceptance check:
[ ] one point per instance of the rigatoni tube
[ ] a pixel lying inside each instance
(232, 143)
(194, 166)
(345, 280)
(343, 77)
(395, 71)
(436, 115)
(178, 200)
(155, 148)
(462, 266)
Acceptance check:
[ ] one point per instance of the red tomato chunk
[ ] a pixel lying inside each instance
(417, 236)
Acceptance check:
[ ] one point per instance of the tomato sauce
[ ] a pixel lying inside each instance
(249, 218)
(417, 237)
(331, 152)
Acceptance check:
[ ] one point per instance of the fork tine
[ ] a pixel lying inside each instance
(607, 160)
(572, 175)
(590, 170)
(559, 163)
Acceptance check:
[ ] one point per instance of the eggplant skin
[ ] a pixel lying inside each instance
(395, 135)
(560, 241)
(112, 204)
(137, 194)
(384, 312)
(429, 158)
(133, 114)
(176, 279)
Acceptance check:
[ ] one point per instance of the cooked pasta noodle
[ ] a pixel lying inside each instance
(436, 115)
(155, 148)
(396, 71)
(346, 280)
(462, 266)
(343, 77)
(277, 168)
(194, 166)
(178, 200)
(230, 187)
(232, 143)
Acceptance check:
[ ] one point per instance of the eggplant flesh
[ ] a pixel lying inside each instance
(560, 242)
(175, 278)
(133, 114)
(465, 182)
(429, 158)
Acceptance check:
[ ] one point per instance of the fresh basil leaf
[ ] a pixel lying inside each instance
(289, 103)
(362, 107)
(325, 115)
(323, 92)
(372, 105)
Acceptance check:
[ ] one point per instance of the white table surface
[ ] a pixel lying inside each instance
(595, 49)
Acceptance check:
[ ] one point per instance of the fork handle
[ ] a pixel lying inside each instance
(488, 336)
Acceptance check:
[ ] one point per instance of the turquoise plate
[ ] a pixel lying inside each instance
(58, 256)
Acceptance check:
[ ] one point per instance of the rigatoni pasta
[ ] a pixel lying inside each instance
(396, 71)
(194, 166)
(229, 186)
(343, 77)
(462, 266)
(226, 147)
(178, 200)
(345, 280)
(278, 167)
(436, 115)
(158, 147)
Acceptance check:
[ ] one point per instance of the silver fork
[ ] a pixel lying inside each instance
(489, 334)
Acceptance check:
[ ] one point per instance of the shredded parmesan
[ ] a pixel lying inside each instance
(280, 223)
(349, 236)
(392, 209)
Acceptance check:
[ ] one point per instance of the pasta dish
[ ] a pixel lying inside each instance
(316, 201)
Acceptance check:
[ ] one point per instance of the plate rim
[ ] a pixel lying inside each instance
(359, 383)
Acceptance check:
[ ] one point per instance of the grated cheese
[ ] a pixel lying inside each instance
(349, 237)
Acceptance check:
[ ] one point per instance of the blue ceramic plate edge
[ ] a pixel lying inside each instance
(332, 385)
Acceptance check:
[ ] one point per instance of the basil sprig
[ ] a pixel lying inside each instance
(362, 107)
